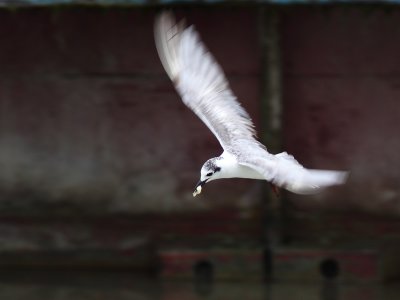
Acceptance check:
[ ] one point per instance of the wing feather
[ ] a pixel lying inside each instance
(201, 82)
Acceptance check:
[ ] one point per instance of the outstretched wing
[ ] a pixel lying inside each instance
(201, 82)
(285, 171)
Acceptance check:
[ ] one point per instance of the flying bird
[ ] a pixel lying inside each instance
(203, 87)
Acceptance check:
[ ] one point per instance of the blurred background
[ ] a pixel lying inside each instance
(99, 156)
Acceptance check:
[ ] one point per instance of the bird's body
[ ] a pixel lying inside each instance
(233, 169)
(203, 87)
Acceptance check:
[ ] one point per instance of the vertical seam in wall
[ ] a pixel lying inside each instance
(275, 212)
(271, 84)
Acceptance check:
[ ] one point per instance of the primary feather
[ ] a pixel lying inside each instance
(200, 81)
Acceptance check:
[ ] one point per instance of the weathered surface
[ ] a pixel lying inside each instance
(341, 108)
(98, 155)
(91, 124)
(346, 265)
(318, 265)
(224, 264)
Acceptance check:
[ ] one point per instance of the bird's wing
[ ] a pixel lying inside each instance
(203, 87)
(201, 82)
(285, 171)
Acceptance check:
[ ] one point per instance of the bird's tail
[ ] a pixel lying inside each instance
(294, 177)
(312, 181)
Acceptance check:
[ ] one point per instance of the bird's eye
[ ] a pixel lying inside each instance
(209, 174)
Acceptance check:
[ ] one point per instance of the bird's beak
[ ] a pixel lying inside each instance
(199, 185)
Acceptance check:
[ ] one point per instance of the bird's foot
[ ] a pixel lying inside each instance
(275, 190)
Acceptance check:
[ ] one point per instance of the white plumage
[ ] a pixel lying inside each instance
(203, 87)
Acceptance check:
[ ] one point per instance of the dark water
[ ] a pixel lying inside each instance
(108, 286)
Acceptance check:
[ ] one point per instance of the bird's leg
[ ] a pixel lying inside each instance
(275, 189)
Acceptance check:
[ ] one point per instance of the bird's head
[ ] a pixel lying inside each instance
(211, 170)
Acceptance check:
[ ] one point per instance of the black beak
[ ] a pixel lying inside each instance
(200, 183)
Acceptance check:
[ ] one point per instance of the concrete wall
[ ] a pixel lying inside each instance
(90, 122)
(341, 111)
(92, 129)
